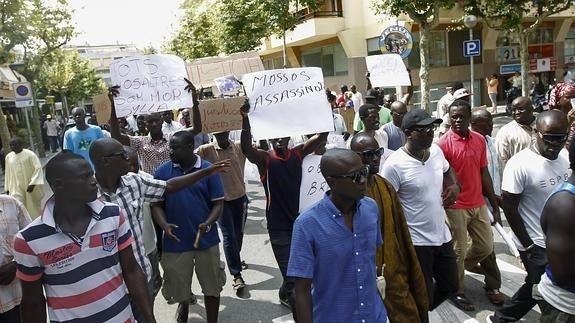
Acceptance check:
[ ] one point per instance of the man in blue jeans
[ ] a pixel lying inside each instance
(233, 219)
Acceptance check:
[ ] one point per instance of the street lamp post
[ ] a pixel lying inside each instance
(470, 22)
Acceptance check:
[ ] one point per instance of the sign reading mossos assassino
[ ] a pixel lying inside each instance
(396, 40)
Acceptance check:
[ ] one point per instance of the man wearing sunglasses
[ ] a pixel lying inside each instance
(405, 284)
(117, 185)
(468, 217)
(333, 248)
(529, 178)
(425, 182)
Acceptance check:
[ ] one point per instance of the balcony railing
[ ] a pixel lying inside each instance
(303, 16)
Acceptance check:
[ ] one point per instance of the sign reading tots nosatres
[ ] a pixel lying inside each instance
(396, 40)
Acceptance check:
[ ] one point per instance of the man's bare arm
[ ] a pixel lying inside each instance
(304, 303)
(33, 304)
(136, 282)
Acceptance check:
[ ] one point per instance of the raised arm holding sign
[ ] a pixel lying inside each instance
(387, 70)
(148, 84)
(288, 102)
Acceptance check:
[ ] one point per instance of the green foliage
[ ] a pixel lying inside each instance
(198, 36)
(65, 70)
(230, 26)
(420, 11)
(511, 15)
(39, 26)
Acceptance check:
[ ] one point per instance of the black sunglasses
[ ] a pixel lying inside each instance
(371, 154)
(425, 130)
(122, 154)
(357, 176)
(552, 138)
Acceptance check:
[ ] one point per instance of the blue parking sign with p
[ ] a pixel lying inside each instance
(471, 48)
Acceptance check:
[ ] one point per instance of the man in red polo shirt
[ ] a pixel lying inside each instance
(465, 151)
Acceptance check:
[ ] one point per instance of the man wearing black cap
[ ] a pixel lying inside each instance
(416, 165)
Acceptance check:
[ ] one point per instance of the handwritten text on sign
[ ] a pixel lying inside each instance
(287, 102)
(149, 84)
(203, 71)
(221, 114)
(313, 185)
(387, 70)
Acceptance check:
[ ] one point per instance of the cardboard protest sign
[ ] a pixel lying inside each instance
(287, 102)
(313, 185)
(387, 70)
(149, 84)
(102, 107)
(203, 71)
(221, 114)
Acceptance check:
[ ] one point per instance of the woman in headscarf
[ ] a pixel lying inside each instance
(562, 97)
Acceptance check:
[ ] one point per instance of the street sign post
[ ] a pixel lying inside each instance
(471, 48)
(23, 98)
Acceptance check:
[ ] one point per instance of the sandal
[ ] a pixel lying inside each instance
(463, 303)
(238, 283)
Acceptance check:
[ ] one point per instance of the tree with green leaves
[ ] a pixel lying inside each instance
(521, 17)
(40, 27)
(426, 15)
(231, 26)
(66, 72)
(198, 36)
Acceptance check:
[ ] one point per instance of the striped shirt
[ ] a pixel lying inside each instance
(82, 277)
(13, 218)
(133, 190)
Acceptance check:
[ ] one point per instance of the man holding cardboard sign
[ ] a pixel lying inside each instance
(281, 172)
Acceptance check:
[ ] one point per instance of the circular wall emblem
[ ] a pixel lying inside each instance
(22, 90)
(396, 40)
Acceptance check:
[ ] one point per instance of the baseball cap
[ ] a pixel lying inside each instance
(371, 94)
(418, 117)
(48, 116)
(461, 93)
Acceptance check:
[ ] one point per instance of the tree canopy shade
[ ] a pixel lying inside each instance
(426, 15)
(39, 27)
(231, 26)
(519, 16)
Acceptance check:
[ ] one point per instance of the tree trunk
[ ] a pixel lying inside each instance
(284, 48)
(525, 68)
(37, 131)
(424, 68)
(4, 133)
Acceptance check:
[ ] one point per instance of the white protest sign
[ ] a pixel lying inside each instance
(227, 84)
(203, 71)
(335, 141)
(149, 84)
(387, 70)
(313, 185)
(287, 102)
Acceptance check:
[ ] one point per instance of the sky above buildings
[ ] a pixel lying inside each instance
(141, 22)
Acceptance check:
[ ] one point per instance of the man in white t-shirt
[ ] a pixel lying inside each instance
(418, 171)
(528, 179)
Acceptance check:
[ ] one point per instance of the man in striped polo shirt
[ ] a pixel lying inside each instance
(80, 253)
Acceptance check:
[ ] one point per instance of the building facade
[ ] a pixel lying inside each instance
(342, 33)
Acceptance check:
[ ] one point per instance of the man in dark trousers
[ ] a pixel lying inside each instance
(280, 172)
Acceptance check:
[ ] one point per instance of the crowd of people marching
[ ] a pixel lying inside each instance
(411, 203)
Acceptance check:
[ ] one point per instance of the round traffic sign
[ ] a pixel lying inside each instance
(22, 90)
